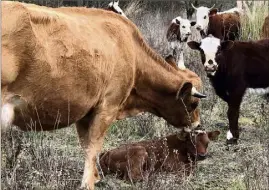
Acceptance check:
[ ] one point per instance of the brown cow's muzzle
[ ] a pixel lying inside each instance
(201, 156)
(211, 69)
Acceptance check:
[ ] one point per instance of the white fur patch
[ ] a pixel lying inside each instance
(195, 124)
(116, 6)
(229, 135)
(258, 91)
(7, 115)
(233, 10)
(210, 44)
(202, 18)
(210, 47)
(200, 131)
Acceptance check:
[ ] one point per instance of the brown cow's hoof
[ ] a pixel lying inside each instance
(232, 141)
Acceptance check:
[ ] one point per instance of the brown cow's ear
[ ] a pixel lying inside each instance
(213, 135)
(185, 90)
(213, 12)
(226, 45)
(194, 45)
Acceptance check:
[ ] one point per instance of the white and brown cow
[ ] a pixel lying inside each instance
(233, 67)
(223, 25)
(177, 35)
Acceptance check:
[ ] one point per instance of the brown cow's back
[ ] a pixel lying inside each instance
(46, 42)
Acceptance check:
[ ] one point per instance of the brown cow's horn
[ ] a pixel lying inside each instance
(193, 6)
(197, 94)
(212, 7)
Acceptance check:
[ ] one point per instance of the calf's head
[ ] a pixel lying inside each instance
(210, 50)
(202, 17)
(197, 141)
(114, 6)
(181, 28)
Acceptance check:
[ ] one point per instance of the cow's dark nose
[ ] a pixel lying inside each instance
(201, 156)
(188, 34)
(210, 62)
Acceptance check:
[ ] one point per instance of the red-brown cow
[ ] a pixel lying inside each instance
(222, 25)
(174, 153)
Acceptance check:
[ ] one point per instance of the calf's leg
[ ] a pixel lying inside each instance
(136, 159)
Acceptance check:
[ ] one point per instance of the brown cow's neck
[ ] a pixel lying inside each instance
(156, 79)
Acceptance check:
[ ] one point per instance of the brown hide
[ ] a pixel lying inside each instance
(224, 26)
(265, 28)
(176, 153)
(85, 66)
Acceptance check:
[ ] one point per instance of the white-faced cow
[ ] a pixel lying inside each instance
(177, 35)
(89, 67)
(223, 25)
(114, 6)
(234, 66)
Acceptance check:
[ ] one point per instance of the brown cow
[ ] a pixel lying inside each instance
(223, 25)
(265, 28)
(89, 67)
(234, 67)
(174, 153)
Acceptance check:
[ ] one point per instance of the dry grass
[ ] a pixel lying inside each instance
(54, 160)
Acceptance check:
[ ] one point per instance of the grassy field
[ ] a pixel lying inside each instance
(54, 160)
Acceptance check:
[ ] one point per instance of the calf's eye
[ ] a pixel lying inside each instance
(204, 17)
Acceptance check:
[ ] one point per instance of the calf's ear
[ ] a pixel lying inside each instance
(213, 135)
(194, 45)
(226, 45)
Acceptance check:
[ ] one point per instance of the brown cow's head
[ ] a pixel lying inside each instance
(202, 17)
(196, 142)
(191, 101)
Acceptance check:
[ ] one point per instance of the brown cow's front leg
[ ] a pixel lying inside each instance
(91, 134)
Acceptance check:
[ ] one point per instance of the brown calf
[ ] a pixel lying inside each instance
(174, 153)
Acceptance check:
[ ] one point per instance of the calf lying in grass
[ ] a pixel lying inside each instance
(174, 153)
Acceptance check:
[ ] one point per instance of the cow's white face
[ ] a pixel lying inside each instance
(184, 27)
(116, 8)
(202, 18)
(208, 48)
